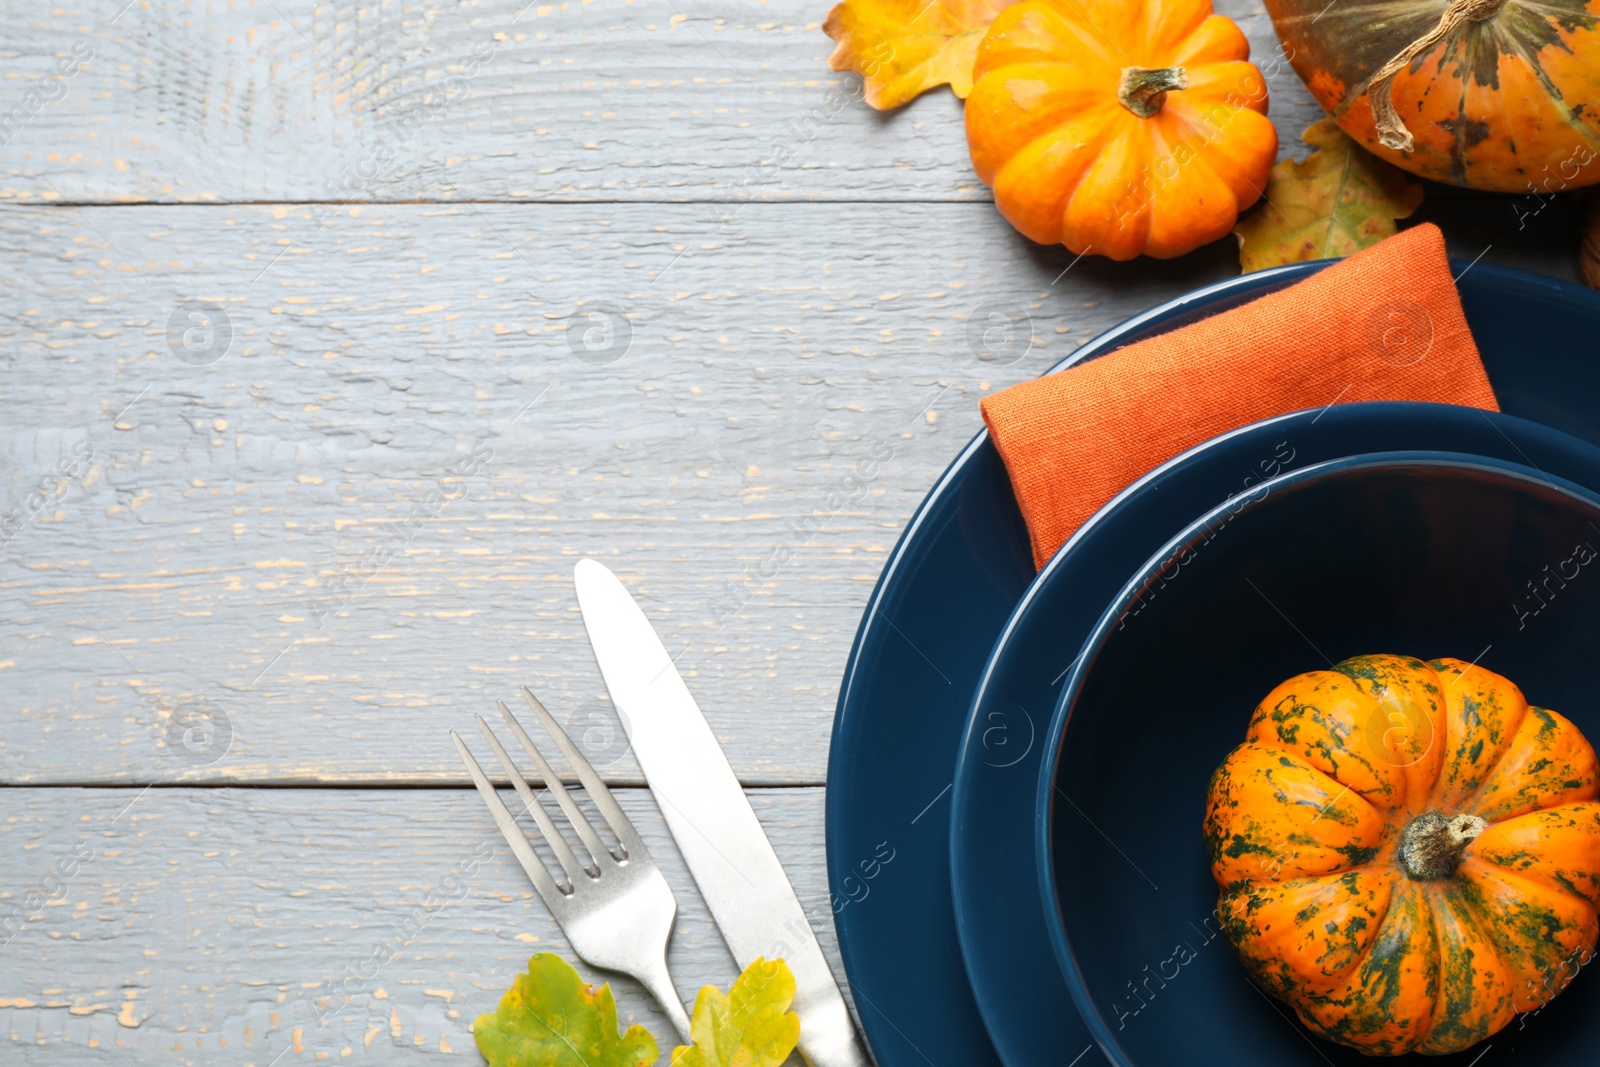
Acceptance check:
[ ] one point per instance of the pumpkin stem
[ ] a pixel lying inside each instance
(1392, 132)
(1431, 845)
(1144, 90)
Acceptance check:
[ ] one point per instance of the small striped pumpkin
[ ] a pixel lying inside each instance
(1408, 853)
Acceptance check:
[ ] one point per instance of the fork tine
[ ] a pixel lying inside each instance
(619, 823)
(549, 891)
(552, 782)
(547, 827)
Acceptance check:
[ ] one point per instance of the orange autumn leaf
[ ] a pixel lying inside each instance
(902, 48)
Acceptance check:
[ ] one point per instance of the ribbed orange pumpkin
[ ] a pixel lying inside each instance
(1492, 94)
(1119, 127)
(1408, 853)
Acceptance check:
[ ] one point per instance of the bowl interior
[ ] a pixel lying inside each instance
(1425, 555)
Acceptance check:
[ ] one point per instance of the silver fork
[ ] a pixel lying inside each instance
(617, 909)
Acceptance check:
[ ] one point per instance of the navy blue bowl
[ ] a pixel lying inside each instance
(1424, 554)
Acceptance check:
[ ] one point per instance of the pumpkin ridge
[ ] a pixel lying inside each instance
(1343, 791)
(1026, 156)
(1063, 107)
(1253, 921)
(1530, 877)
(1207, 154)
(1531, 886)
(1571, 20)
(1197, 163)
(1083, 27)
(1377, 920)
(1382, 975)
(1217, 39)
(1166, 29)
(1115, 170)
(1015, 37)
(1376, 676)
(1448, 771)
(1535, 934)
(1244, 847)
(1272, 723)
(1549, 843)
(1461, 131)
(1549, 727)
(1446, 896)
(1551, 90)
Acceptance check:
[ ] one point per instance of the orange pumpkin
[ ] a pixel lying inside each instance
(1490, 94)
(1408, 853)
(1119, 128)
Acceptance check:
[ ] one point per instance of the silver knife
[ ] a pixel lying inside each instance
(709, 816)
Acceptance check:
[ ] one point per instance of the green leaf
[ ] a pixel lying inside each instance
(750, 1027)
(550, 1018)
(1337, 201)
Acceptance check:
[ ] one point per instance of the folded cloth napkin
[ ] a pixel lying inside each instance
(1385, 324)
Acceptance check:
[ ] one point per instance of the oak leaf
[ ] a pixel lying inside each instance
(549, 1017)
(1337, 201)
(751, 1026)
(902, 48)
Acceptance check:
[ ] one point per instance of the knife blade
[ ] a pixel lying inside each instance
(709, 815)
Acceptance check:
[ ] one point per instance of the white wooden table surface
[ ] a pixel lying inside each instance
(492, 287)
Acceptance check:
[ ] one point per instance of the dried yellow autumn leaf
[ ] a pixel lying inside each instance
(902, 48)
(1336, 201)
(551, 1018)
(751, 1026)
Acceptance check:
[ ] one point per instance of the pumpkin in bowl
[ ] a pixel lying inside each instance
(1408, 852)
(1119, 128)
(1489, 94)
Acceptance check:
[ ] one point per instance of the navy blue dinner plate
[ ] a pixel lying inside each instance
(944, 597)
(1004, 929)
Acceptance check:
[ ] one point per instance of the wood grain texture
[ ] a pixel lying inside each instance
(711, 100)
(226, 926)
(357, 527)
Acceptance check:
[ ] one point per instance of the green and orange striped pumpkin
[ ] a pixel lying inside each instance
(1408, 853)
(1492, 94)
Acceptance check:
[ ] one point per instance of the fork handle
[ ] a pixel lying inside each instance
(659, 982)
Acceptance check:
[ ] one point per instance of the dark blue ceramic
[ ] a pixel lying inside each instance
(947, 590)
(1419, 553)
(1000, 919)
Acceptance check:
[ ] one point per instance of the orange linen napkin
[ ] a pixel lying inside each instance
(1386, 324)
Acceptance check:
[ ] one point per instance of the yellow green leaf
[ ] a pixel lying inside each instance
(550, 1018)
(1338, 200)
(901, 48)
(751, 1026)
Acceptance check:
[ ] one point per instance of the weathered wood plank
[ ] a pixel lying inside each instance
(720, 100)
(357, 526)
(207, 926)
